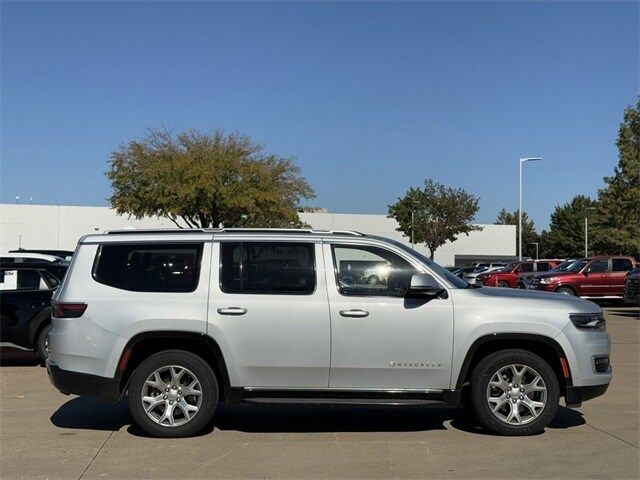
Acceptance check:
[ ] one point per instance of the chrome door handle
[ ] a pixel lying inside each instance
(232, 311)
(354, 312)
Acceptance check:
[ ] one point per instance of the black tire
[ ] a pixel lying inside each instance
(373, 280)
(503, 284)
(565, 291)
(42, 343)
(208, 387)
(484, 372)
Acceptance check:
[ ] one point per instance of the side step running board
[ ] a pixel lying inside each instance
(340, 401)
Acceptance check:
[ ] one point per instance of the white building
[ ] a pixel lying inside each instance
(60, 227)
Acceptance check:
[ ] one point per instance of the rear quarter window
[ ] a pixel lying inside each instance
(145, 267)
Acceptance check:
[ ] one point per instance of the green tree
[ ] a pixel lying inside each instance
(565, 237)
(529, 234)
(440, 214)
(198, 179)
(618, 210)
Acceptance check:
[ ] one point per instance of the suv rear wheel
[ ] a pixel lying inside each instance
(173, 394)
(514, 392)
(42, 343)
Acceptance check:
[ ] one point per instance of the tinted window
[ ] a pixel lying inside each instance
(543, 267)
(26, 279)
(267, 268)
(371, 271)
(143, 267)
(526, 267)
(621, 265)
(599, 266)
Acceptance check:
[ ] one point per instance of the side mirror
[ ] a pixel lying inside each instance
(586, 271)
(424, 285)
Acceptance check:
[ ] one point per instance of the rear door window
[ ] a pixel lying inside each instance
(145, 267)
(542, 267)
(621, 265)
(276, 268)
(22, 279)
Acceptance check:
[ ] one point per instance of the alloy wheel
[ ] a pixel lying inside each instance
(516, 394)
(171, 396)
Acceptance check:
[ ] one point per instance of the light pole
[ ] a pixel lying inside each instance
(586, 232)
(520, 162)
(536, 244)
(412, 228)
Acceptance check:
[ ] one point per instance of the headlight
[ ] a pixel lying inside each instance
(589, 321)
(545, 281)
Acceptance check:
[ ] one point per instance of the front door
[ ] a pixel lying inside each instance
(379, 338)
(268, 308)
(596, 281)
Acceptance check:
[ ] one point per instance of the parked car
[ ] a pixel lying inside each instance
(508, 276)
(524, 280)
(25, 301)
(472, 276)
(64, 254)
(462, 271)
(601, 276)
(488, 264)
(178, 321)
(632, 287)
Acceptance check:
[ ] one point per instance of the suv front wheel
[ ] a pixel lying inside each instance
(514, 392)
(173, 394)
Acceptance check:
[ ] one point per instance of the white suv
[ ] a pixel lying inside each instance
(180, 320)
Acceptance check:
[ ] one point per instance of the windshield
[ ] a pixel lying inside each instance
(443, 272)
(577, 265)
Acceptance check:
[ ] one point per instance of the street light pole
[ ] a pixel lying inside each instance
(586, 232)
(536, 244)
(412, 228)
(521, 161)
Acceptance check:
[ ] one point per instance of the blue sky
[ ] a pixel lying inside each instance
(370, 97)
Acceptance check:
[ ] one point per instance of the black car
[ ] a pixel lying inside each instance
(632, 287)
(25, 302)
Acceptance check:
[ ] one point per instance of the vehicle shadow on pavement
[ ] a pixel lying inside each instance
(631, 313)
(91, 414)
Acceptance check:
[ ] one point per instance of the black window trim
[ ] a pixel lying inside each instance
(96, 261)
(242, 241)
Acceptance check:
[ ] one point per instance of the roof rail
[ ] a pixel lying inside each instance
(133, 231)
(302, 231)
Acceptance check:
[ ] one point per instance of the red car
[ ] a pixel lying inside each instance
(508, 276)
(589, 277)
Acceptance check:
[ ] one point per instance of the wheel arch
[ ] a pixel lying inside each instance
(566, 285)
(37, 323)
(142, 345)
(546, 347)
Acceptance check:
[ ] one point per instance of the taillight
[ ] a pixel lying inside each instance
(68, 310)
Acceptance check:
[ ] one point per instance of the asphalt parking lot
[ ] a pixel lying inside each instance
(45, 434)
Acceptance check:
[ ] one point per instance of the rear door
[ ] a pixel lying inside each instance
(268, 306)
(379, 338)
(619, 269)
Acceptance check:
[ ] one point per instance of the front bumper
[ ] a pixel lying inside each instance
(84, 384)
(574, 396)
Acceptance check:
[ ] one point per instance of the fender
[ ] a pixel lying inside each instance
(38, 320)
(179, 337)
(531, 337)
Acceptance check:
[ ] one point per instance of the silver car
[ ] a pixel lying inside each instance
(180, 320)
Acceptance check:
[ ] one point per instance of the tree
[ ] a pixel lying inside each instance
(203, 180)
(440, 214)
(565, 238)
(618, 210)
(529, 234)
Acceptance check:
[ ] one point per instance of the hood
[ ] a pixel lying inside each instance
(555, 274)
(556, 298)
